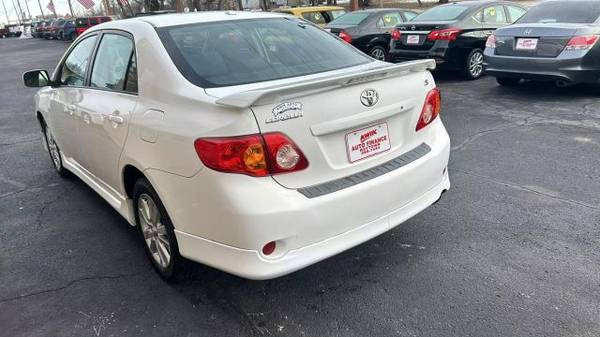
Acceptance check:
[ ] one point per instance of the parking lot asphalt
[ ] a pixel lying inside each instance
(511, 250)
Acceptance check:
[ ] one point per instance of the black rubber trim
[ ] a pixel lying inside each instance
(372, 173)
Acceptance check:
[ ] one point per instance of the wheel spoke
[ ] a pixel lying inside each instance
(147, 233)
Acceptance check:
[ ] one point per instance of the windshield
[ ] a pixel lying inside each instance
(350, 19)
(237, 52)
(563, 12)
(441, 13)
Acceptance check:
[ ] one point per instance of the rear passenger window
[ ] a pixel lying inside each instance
(515, 13)
(315, 17)
(113, 64)
(73, 70)
(494, 14)
(389, 20)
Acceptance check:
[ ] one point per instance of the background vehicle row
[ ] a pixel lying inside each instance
(65, 29)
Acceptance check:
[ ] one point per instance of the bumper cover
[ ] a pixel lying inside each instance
(252, 265)
(568, 68)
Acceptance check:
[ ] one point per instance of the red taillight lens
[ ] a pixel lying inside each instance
(491, 42)
(581, 42)
(449, 34)
(431, 108)
(344, 36)
(396, 35)
(254, 155)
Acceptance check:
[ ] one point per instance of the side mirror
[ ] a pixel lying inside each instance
(36, 78)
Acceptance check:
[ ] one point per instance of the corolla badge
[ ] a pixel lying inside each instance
(285, 111)
(369, 97)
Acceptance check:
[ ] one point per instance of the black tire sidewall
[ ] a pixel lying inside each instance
(61, 169)
(143, 186)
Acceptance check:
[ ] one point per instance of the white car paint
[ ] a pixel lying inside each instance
(224, 219)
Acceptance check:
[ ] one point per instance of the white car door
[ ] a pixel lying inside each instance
(108, 103)
(65, 116)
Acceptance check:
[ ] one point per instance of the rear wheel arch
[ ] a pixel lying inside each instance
(130, 175)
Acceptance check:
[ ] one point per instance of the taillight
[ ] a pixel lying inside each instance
(491, 41)
(431, 108)
(449, 34)
(584, 42)
(344, 36)
(255, 155)
(396, 35)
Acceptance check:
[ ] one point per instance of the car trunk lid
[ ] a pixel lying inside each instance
(421, 29)
(534, 40)
(324, 116)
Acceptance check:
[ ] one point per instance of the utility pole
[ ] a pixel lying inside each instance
(41, 10)
(6, 13)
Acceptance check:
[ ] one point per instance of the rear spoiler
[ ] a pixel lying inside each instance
(267, 95)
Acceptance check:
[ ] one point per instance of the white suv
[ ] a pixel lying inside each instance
(255, 143)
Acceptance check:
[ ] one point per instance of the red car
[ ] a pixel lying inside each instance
(82, 24)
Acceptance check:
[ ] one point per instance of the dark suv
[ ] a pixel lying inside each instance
(453, 34)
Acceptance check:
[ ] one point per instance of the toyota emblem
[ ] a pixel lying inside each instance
(369, 97)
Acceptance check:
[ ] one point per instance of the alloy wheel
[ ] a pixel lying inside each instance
(154, 231)
(476, 64)
(378, 54)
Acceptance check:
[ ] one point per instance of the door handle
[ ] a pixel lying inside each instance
(116, 119)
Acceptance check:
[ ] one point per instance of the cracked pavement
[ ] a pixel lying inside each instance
(510, 250)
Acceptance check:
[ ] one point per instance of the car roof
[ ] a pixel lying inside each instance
(177, 19)
(296, 10)
(370, 10)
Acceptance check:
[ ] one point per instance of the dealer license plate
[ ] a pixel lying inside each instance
(367, 142)
(526, 44)
(412, 39)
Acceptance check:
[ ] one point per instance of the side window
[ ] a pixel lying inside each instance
(112, 63)
(494, 15)
(409, 15)
(93, 21)
(315, 17)
(389, 20)
(515, 13)
(73, 69)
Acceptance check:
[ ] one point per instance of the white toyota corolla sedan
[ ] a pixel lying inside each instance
(254, 143)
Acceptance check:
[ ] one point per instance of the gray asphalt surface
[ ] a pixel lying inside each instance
(511, 250)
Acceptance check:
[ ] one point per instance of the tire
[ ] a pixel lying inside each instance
(473, 67)
(378, 53)
(61, 36)
(54, 152)
(508, 81)
(156, 232)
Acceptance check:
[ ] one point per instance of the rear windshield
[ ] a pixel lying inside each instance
(563, 12)
(228, 53)
(351, 19)
(441, 13)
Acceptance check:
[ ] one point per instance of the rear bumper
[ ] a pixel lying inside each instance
(563, 68)
(223, 220)
(253, 265)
